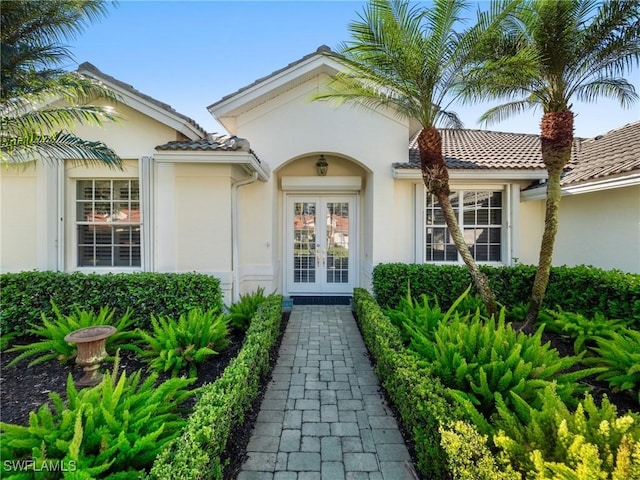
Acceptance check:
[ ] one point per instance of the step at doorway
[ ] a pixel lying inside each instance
(321, 300)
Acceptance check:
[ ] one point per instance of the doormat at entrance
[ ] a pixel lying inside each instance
(321, 300)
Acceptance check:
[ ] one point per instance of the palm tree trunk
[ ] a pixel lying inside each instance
(436, 178)
(557, 139)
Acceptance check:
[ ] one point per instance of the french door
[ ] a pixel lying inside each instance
(320, 247)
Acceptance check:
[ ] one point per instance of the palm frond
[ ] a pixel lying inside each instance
(54, 148)
(507, 110)
(51, 119)
(617, 88)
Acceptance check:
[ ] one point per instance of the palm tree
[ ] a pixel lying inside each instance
(412, 59)
(553, 52)
(34, 124)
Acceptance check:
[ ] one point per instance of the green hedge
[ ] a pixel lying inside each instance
(580, 289)
(197, 453)
(419, 397)
(26, 295)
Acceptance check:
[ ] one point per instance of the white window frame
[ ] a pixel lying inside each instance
(141, 170)
(108, 226)
(510, 194)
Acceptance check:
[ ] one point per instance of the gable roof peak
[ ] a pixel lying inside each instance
(182, 123)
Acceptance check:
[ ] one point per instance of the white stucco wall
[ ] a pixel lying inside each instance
(203, 221)
(135, 135)
(600, 229)
(292, 127)
(19, 213)
(37, 203)
(530, 228)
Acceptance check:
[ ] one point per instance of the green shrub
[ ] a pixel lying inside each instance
(241, 313)
(175, 345)
(6, 339)
(26, 295)
(54, 346)
(580, 329)
(477, 357)
(469, 456)
(619, 354)
(113, 430)
(413, 314)
(580, 289)
(198, 452)
(551, 441)
(419, 396)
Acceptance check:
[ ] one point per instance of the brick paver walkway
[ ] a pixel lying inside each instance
(322, 417)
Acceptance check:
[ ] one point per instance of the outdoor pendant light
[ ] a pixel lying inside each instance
(322, 166)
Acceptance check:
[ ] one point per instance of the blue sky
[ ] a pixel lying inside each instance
(190, 54)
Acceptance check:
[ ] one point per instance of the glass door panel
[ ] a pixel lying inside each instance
(304, 242)
(320, 243)
(337, 252)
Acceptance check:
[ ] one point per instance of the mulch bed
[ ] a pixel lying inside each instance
(23, 389)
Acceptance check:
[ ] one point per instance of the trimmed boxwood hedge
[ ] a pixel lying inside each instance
(26, 295)
(198, 452)
(419, 397)
(580, 289)
(423, 403)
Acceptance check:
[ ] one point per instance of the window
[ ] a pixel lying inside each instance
(480, 215)
(108, 223)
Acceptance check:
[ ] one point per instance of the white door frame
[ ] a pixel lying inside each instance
(320, 286)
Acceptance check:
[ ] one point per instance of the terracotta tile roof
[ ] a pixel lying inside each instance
(613, 153)
(88, 67)
(483, 149)
(211, 142)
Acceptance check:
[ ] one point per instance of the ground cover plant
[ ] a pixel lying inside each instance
(554, 441)
(479, 358)
(241, 312)
(619, 355)
(52, 332)
(581, 329)
(183, 344)
(114, 430)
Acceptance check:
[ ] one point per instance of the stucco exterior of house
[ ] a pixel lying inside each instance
(250, 207)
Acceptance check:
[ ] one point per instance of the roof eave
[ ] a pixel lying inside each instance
(594, 185)
(150, 109)
(476, 174)
(246, 160)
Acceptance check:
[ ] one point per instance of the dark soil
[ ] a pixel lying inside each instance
(24, 389)
(624, 401)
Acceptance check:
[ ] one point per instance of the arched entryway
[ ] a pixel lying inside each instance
(321, 219)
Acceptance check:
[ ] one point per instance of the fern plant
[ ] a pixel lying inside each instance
(419, 315)
(619, 355)
(52, 332)
(582, 330)
(477, 357)
(113, 430)
(550, 442)
(175, 345)
(241, 312)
